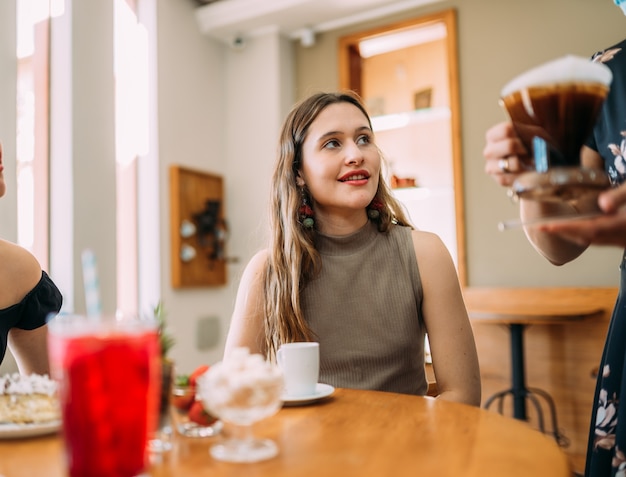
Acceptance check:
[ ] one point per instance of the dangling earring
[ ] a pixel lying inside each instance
(373, 210)
(307, 216)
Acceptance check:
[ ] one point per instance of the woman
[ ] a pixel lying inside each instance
(344, 267)
(27, 295)
(562, 242)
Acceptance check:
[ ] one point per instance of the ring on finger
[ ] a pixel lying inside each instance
(503, 165)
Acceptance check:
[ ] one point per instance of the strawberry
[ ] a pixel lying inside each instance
(183, 397)
(198, 415)
(199, 371)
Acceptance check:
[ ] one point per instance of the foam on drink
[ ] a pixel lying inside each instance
(567, 69)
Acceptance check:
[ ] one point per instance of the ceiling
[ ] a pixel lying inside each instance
(237, 20)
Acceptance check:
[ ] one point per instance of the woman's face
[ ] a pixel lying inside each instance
(340, 162)
(3, 186)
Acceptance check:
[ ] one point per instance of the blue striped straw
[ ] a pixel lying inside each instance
(91, 284)
(540, 149)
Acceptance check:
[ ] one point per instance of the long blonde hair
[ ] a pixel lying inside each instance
(293, 260)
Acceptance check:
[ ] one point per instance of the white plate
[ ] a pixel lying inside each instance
(321, 391)
(17, 431)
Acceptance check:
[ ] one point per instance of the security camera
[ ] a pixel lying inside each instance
(238, 43)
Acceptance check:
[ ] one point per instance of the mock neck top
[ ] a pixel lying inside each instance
(365, 310)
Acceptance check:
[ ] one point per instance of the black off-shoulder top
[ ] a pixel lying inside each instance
(32, 311)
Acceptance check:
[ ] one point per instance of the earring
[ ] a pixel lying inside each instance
(307, 218)
(373, 210)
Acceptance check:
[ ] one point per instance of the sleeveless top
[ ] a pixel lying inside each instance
(607, 433)
(365, 310)
(32, 311)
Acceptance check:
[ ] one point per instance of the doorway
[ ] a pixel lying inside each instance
(406, 74)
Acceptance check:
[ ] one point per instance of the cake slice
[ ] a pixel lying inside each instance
(28, 399)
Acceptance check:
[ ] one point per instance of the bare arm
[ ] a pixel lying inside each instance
(247, 323)
(450, 336)
(30, 349)
(19, 274)
(550, 241)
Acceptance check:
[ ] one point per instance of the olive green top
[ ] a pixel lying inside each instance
(365, 310)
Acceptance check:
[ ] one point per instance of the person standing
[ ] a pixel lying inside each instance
(562, 242)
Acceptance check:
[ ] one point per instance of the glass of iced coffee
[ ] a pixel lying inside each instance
(553, 108)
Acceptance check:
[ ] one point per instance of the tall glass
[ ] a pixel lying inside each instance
(108, 372)
(553, 108)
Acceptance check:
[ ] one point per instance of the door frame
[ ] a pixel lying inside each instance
(349, 79)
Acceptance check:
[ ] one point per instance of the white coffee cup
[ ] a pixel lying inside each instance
(300, 363)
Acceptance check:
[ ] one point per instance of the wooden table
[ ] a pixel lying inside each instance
(518, 308)
(352, 433)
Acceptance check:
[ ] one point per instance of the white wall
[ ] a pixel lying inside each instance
(219, 111)
(192, 107)
(93, 145)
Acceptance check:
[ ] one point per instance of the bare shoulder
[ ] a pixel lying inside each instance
(19, 274)
(258, 262)
(17, 259)
(254, 272)
(260, 257)
(430, 251)
(427, 242)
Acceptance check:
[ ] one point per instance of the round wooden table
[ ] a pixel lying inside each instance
(518, 309)
(351, 433)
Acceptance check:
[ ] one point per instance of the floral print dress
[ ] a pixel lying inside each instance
(606, 452)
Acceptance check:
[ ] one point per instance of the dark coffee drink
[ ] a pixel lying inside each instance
(553, 108)
(562, 114)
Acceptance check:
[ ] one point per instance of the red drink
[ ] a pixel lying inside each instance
(108, 375)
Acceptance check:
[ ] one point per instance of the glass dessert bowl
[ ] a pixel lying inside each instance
(189, 416)
(241, 390)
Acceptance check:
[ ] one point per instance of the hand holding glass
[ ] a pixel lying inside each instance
(553, 108)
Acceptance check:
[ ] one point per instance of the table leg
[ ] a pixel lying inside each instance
(518, 372)
(520, 393)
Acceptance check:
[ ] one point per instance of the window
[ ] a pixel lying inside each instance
(131, 135)
(43, 42)
(33, 30)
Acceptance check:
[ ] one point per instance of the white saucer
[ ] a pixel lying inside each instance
(321, 391)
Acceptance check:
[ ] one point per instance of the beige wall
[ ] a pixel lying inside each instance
(497, 40)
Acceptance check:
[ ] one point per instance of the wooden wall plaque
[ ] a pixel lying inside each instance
(190, 191)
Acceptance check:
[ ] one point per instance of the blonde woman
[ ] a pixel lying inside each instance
(345, 268)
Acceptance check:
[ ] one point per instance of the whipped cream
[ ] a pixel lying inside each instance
(243, 381)
(11, 384)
